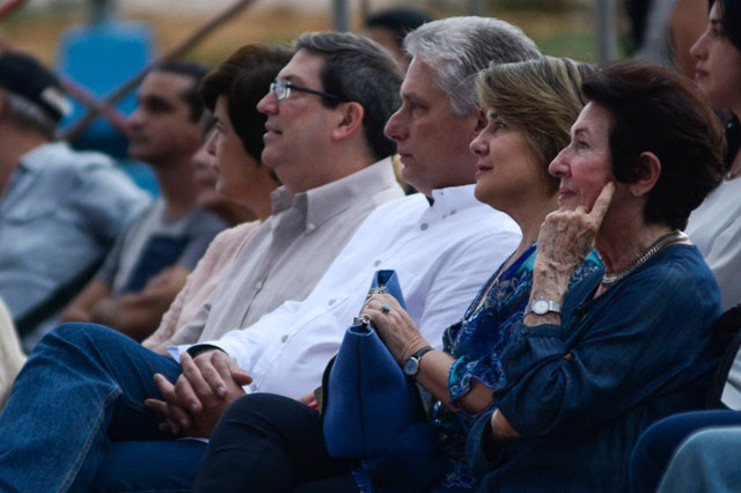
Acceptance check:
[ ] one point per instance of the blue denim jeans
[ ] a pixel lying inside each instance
(77, 410)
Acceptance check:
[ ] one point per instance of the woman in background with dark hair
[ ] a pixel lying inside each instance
(716, 229)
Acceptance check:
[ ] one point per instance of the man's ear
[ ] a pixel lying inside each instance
(480, 116)
(648, 175)
(349, 121)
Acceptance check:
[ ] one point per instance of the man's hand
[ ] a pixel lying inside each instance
(201, 394)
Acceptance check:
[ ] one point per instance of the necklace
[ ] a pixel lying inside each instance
(613, 277)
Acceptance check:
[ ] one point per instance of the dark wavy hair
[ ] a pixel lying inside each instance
(656, 110)
(244, 78)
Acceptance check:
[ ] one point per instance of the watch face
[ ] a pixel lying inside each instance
(540, 307)
(411, 366)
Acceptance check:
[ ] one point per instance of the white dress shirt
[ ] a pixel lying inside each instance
(443, 253)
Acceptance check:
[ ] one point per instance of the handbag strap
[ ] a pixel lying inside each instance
(386, 281)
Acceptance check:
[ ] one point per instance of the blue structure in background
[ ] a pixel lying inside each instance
(100, 57)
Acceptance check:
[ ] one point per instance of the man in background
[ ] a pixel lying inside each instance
(165, 130)
(60, 210)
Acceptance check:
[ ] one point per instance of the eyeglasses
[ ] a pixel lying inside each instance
(282, 89)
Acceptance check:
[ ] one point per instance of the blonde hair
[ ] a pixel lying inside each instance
(543, 97)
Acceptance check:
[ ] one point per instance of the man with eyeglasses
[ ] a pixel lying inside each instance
(324, 140)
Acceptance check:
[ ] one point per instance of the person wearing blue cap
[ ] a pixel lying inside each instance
(60, 210)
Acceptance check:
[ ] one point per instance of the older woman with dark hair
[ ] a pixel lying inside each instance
(590, 367)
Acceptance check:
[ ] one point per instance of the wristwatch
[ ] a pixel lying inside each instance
(411, 366)
(541, 306)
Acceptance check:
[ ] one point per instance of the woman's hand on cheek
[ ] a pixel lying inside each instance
(567, 236)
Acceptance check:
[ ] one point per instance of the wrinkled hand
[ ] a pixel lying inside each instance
(395, 327)
(200, 395)
(567, 236)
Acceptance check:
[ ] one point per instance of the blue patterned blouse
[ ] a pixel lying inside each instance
(477, 342)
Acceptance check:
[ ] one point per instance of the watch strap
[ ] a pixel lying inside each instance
(410, 367)
(548, 306)
(418, 354)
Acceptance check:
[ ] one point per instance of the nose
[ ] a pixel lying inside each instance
(201, 161)
(559, 167)
(395, 129)
(697, 50)
(479, 145)
(135, 119)
(268, 105)
(210, 146)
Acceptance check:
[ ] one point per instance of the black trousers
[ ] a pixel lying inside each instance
(270, 443)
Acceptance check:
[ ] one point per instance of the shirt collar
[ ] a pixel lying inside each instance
(323, 203)
(37, 159)
(452, 199)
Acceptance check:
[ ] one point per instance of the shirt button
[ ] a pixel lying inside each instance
(284, 338)
(423, 226)
(331, 302)
(259, 285)
(310, 227)
(376, 263)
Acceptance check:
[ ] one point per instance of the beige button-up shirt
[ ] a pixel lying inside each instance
(290, 252)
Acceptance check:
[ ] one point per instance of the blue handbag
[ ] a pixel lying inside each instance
(372, 411)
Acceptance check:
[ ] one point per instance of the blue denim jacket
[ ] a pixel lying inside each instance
(641, 351)
(60, 214)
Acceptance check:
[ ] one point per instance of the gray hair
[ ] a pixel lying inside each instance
(358, 69)
(26, 115)
(457, 48)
